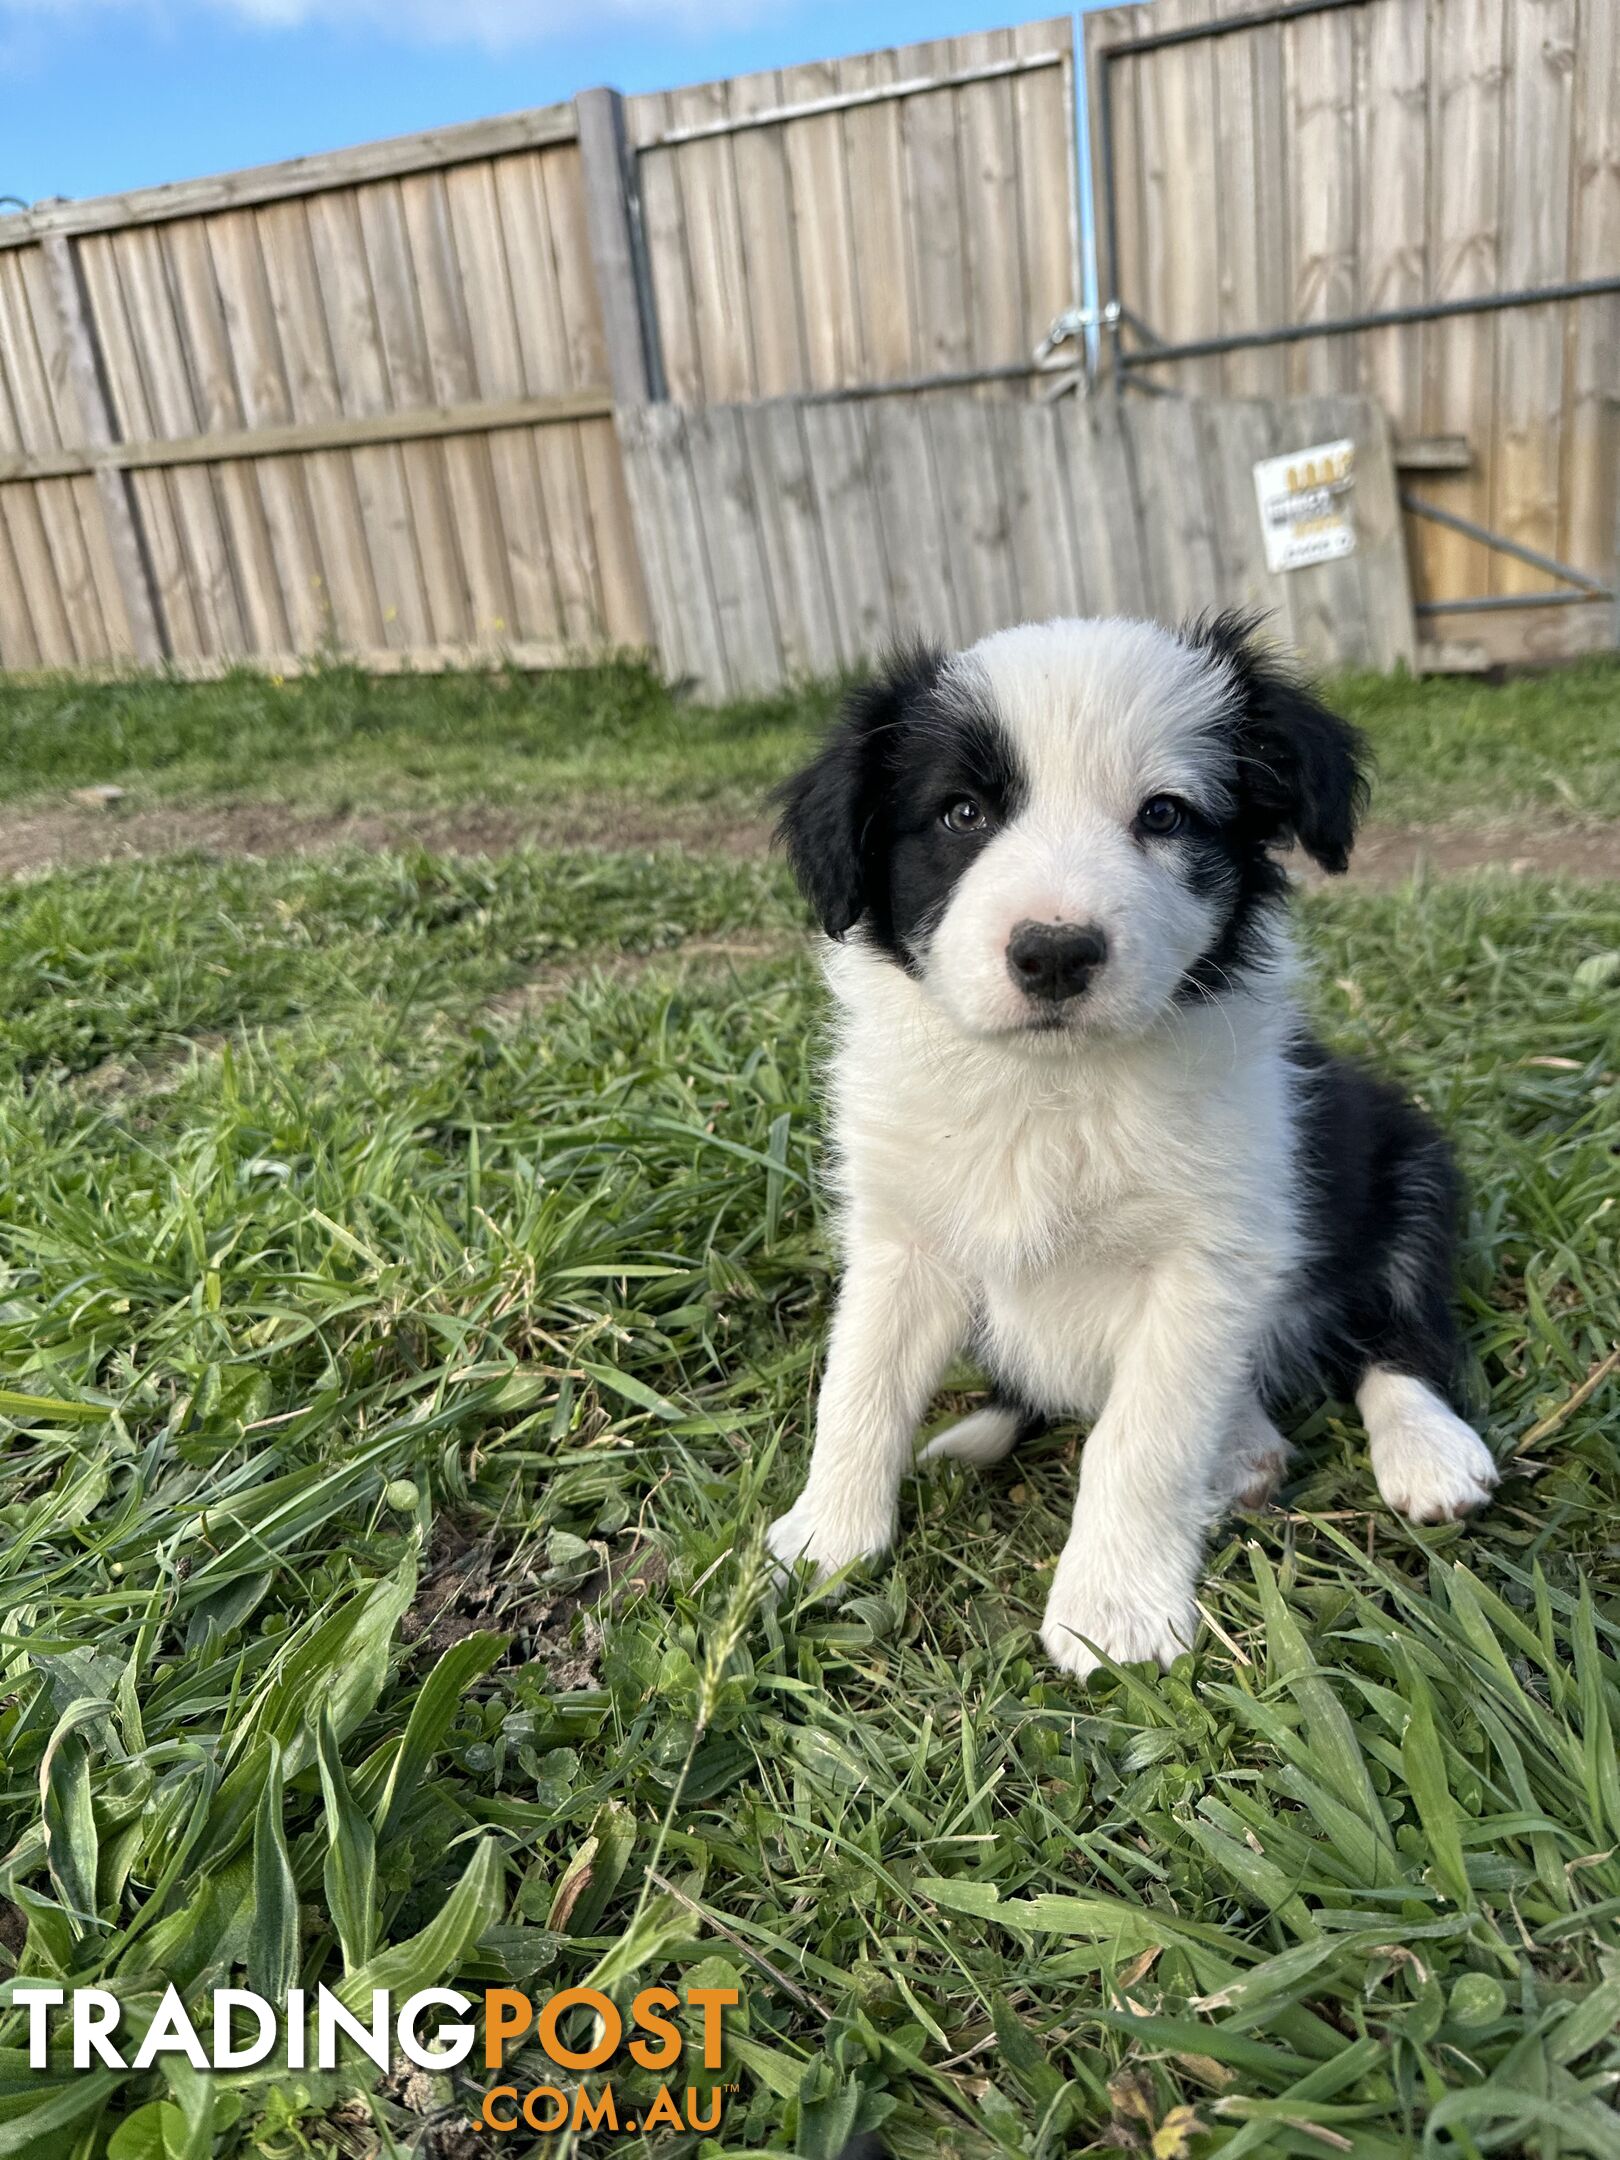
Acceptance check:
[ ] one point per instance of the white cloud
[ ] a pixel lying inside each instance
(488, 22)
(498, 24)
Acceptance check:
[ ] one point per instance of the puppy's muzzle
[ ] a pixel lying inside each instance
(1054, 961)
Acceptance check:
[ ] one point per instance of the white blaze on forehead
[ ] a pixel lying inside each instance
(1103, 713)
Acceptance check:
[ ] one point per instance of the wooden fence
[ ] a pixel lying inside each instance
(799, 536)
(874, 219)
(667, 370)
(1382, 155)
(365, 401)
(360, 401)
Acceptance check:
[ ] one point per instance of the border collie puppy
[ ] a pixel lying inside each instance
(1079, 1122)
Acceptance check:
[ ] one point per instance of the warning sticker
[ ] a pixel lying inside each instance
(1306, 506)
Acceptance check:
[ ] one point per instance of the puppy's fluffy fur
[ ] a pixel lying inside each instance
(1079, 1122)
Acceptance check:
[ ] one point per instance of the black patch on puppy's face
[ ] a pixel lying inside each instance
(1299, 777)
(864, 824)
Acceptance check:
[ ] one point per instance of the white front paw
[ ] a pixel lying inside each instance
(1095, 1608)
(1433, 1468)
(830, 1537)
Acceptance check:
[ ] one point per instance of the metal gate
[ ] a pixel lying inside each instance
(1333, 158)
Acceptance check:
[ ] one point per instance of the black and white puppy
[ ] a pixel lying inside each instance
(1079, 1123)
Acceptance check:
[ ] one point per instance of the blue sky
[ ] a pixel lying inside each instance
(101, 95)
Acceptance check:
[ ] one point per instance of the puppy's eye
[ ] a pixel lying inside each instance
(1161, 815)
(965, 816)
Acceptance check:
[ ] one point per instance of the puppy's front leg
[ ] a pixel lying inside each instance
(900, 1318)
(1126, 1578)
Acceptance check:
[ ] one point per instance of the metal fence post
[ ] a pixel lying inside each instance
(618, 249)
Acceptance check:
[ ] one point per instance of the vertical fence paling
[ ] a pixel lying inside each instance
(85, 368)
(59, 603)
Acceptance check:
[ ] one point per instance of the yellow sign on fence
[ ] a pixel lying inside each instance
(1306, 505)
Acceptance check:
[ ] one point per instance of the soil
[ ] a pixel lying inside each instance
(49, 836)
(715, 954)
(469, 1585)
(52, 835)
(1389, 854)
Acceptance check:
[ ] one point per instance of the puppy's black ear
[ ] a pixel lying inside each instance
(831, 813)
(1301, 768)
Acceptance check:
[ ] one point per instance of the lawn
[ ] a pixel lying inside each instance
(412, 1276)
(573, 746)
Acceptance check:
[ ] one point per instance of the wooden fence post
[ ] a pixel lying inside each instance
(124, 537)
(618, 251)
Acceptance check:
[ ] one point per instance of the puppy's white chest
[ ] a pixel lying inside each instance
(1053, 1210)
(1055, 1335)
(1065, 1227)
(1026, 1186)
(1008, 1191)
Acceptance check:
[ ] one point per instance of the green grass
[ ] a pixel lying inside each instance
(375, 1340)
(583, 743)
(129, 961)
(339, 739)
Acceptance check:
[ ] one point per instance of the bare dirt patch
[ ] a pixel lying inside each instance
(1389, 854)
(52, 835)
(706, 953)
(471, 1584)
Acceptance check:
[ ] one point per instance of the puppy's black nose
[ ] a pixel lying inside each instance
(1054, 960)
